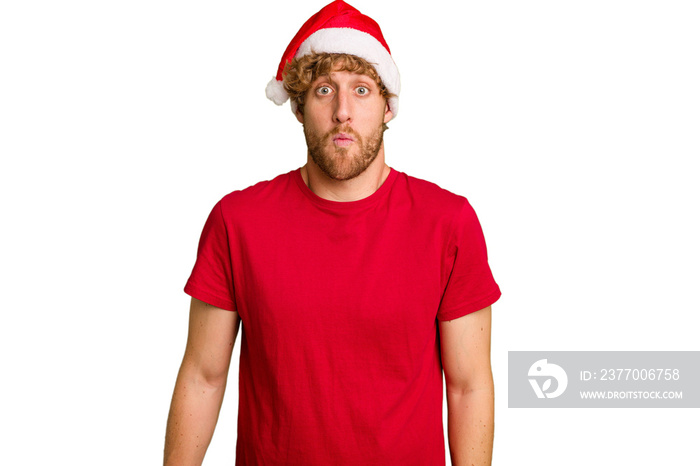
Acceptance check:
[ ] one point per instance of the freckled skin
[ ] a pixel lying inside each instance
(201, 384)
(465, 347)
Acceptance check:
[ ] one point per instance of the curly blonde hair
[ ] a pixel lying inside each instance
(301, 72)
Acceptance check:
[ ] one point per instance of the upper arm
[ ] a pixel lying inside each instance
(465, 344)
(212, 334)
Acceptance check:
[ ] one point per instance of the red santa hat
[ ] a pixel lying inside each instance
(340, 28)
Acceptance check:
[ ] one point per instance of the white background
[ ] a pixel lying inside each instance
(572, 127)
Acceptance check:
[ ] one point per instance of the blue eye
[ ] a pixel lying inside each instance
(325, 90)
(362, 90)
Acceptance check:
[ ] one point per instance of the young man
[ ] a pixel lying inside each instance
(356, 286)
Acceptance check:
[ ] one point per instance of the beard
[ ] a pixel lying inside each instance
(343, 163)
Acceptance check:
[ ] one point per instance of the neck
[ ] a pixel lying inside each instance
(360, 187)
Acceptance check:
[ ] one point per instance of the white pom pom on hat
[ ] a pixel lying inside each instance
(340, 28)
(275, 92)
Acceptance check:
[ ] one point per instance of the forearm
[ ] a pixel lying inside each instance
(470, 426)
(194, 411)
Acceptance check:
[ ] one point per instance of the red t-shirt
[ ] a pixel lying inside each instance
(339, 303)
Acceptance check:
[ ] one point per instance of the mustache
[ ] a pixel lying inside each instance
(344, 129)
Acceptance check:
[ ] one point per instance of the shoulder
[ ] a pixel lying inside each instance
(261, 194)
(429, 197)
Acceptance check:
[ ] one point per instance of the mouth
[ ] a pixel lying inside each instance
(343, 139)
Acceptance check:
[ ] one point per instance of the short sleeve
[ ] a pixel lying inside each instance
(211, 280)
(471, 285)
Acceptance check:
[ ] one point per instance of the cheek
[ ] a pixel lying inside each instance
(314, 116)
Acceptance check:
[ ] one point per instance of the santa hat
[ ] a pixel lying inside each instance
(340, 28)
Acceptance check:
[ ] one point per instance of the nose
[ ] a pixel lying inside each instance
(342, 113)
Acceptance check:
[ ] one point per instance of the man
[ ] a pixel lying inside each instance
(356, 286)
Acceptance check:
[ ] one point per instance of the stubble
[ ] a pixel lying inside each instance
(343, 163)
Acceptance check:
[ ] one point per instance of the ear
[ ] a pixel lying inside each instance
(388, 114)
(299, 115)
